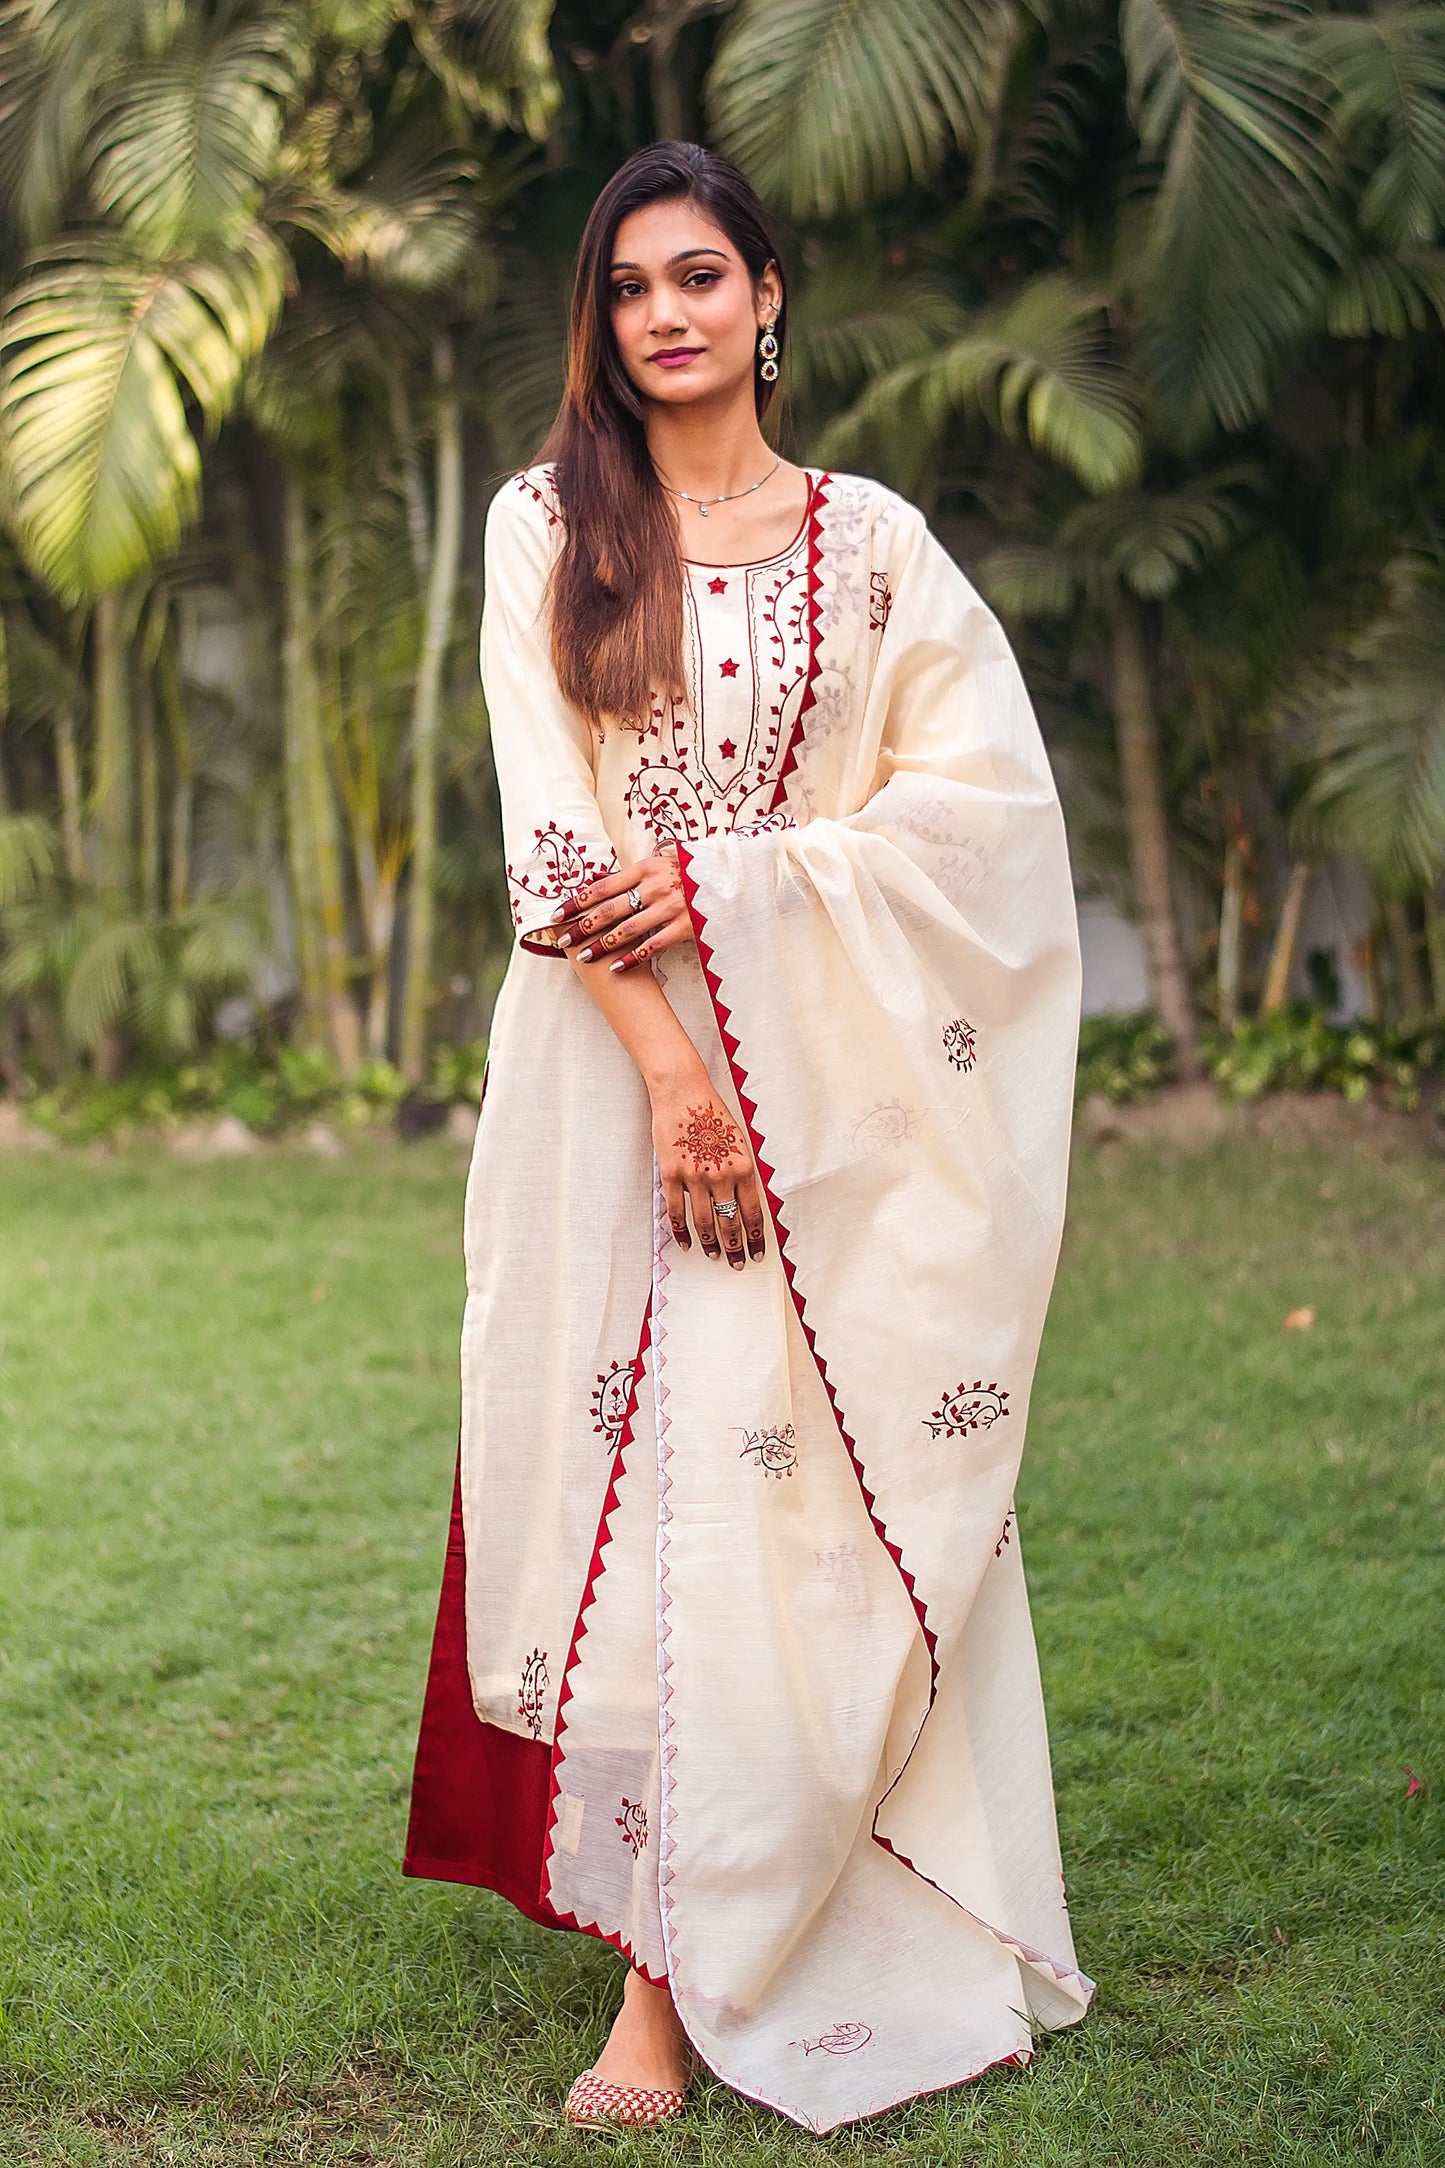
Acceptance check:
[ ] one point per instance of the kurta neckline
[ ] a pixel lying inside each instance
(752, 564)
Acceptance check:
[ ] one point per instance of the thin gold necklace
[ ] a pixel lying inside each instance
(702, 503)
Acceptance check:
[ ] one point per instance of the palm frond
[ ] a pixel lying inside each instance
(1149, 542)
(829, 105)
(1388, 294)
(1241, 230)
(1029, 579)
(493, 57)
(27, 854)
(856, 318)
(55, 56)
(1388, 72)
(1379, 738)
(519, 359)
(413, 221)
(1040, 368)
(98, 356)
(182, 146)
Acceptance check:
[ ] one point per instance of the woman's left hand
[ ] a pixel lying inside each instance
(637, 911)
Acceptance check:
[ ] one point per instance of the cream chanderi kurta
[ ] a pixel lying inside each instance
(734, 1665)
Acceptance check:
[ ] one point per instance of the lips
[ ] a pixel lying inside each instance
(671, 356)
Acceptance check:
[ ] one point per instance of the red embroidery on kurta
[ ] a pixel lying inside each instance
(532, 1691)
(609, 1403)
(774, 1450)
(880, 601)
(844, 2039)
(728, 668)
(728, 749)
(1008, 1521)
(968, 1407)
(559, 863)
(960, 1043)
(717, 587)
(549, 504)
(632, 1821)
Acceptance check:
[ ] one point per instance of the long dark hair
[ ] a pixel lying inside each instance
(616, 592)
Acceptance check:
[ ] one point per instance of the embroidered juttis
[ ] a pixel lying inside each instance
(734, 1664)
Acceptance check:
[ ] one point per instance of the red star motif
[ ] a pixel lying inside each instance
(717, 587)
(728, 669)
(727, 749)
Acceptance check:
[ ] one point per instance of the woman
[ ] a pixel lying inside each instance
(734, 1665)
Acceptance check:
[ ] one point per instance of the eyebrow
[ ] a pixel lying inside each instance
(681, 257)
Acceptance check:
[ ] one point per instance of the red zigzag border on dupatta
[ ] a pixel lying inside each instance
(722, 1013)
(817, 498)
(723, 1016)
(564, 1691)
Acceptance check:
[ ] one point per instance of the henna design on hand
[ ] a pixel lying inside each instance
(709, 1138)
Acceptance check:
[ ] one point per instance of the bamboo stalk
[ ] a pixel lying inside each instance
(1146, 824)
(113, 777)
(426, 708)
(1286, 937)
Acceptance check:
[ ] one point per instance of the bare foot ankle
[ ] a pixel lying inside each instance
(647, 2046)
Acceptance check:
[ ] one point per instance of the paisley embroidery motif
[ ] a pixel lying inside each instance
(885, 1125)
(844, 2039)
(609, 1403)
(960, 1043)
(773, 1449)
(632, 1821)
(532, 1691)
(968, 1407)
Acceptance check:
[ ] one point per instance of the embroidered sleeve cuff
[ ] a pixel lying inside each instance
(558, 863)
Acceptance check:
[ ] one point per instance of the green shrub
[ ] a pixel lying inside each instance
(1124, 1057)
(269, 1096)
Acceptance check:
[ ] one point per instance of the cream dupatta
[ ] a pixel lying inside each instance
(799, 1762)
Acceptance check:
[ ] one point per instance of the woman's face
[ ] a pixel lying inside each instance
(684, 311)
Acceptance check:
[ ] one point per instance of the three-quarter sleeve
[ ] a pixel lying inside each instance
(552, 828)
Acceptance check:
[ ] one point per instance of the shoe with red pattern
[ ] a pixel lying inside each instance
(593, 2104)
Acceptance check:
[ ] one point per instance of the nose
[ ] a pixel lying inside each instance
(668, 315)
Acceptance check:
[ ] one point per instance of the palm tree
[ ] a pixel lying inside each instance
(1114, 562)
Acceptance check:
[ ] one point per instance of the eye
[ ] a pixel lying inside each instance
(708, 278)
(626, 290)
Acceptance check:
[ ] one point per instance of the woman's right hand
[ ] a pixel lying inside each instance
(704, 1161)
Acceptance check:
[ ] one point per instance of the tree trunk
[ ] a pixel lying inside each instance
(1141, 781)
(183, 784)
(1435, 948)
(1286, 938)
(426, 708)
(1411, 1000)
(1231, 929)
(313, 850)
(67, 775)
(149, 779)
(113, 785)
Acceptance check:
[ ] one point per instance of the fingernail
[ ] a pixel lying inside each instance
(564, 940)
(736, 1263)
(560, 912)
(585, 955)
(620, 965)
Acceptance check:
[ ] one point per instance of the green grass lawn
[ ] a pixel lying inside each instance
(227, 1423)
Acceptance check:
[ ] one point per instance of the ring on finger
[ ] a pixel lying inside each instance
(634, 899)
(725, 1208)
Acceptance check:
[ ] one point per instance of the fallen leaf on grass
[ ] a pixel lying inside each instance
(1414, 1784)
(1299, 1321)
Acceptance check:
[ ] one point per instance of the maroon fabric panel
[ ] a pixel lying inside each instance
(479, 1794)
